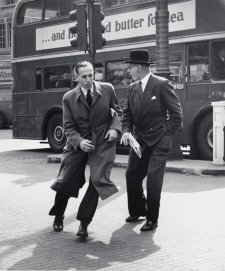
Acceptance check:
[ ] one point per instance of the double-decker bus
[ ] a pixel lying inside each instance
(5, 94)
(43, 61)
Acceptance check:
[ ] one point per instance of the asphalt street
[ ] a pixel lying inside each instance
(190, 235)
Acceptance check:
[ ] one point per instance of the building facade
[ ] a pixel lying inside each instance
(6, 11)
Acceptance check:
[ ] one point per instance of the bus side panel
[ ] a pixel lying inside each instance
(26, 127)
(30, 110)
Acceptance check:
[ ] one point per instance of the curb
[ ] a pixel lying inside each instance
(57, 160)
(174, 169)
(197, 172)
(54, 159)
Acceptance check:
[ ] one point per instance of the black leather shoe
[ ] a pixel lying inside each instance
(82, 232)
(132, 218)
(149, 225)
(58, 223)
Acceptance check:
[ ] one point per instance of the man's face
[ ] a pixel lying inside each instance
(134, 71)
(85, 77)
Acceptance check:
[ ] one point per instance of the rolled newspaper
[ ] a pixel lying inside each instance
(135, 145)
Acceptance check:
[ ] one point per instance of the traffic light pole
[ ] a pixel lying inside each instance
(91, 48)
(88, 38)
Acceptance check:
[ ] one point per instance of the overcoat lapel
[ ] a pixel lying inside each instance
(97, 93)
(137, 96)
(145, 97)
(84, 102)
(80, 96)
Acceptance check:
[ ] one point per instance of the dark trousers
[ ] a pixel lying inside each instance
(87, 206)
(151, 164)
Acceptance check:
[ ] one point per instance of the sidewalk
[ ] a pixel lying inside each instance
(186, 166)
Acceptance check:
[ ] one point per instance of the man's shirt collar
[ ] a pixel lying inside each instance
(85, 90)
(144, 81)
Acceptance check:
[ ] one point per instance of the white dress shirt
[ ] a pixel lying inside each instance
(85, 91)
(144, 81)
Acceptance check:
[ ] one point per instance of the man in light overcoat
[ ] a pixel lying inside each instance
(153, 114)
(91, 125)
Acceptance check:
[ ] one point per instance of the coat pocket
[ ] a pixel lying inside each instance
(165, 143)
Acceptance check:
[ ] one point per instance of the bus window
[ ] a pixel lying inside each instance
(176, 72)
(118, 2)
(57, 8)
(175, 67)
(52, 9)
(118, 73)
(38, 75)
(198, 62)
(74, 78)
(57, 77)
(30, 12)
(115, 3)
(218, 60)
(99, 72)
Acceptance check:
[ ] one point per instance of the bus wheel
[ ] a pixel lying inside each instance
(1, 121)
(56, 137)
(205, 137)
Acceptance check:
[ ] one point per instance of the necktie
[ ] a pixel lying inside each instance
(140, 90)
(140, 85)
(89, 97)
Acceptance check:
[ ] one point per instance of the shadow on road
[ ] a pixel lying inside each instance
(64, 251)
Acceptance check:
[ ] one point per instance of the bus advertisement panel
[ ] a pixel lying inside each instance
(43, 61)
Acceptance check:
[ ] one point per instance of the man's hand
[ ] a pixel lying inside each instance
(125, 139)
(86, 145)
(112, 134)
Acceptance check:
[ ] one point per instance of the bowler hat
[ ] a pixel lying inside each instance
(139, 56)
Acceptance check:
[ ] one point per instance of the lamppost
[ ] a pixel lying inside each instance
(162, 62)
(162, 38)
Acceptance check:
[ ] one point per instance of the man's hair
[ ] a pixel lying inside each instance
(145, 65)
(82, 64)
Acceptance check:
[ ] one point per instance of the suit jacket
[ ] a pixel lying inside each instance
(154, 113)
(219, 68)
(82, 122)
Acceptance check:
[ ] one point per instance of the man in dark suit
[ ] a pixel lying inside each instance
(153, 114)
(219, 64)
(91, 125)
